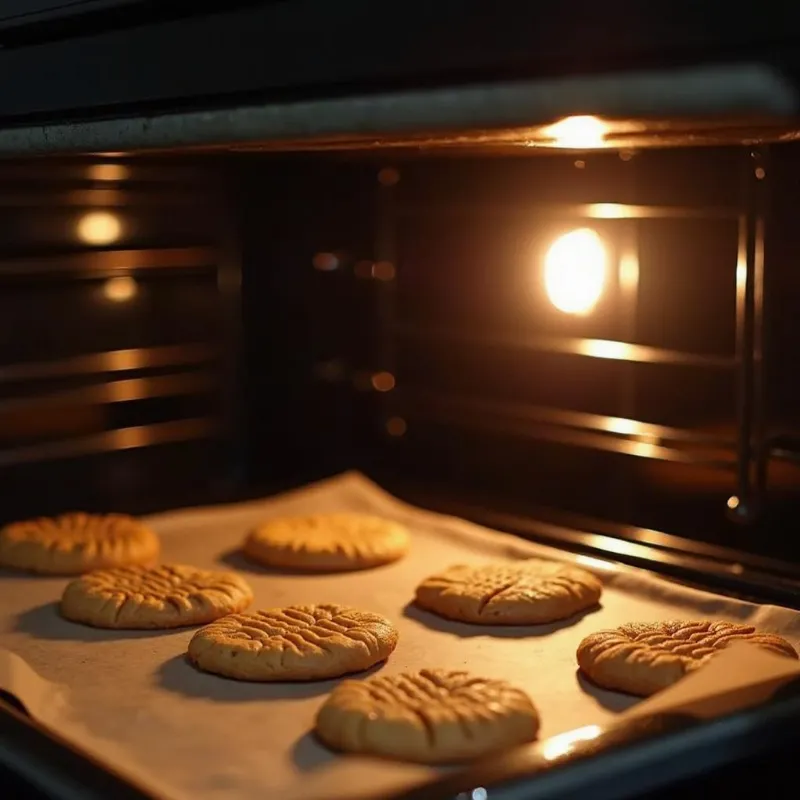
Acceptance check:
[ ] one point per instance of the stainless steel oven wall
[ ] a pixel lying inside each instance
(430, 350)
(120, 313)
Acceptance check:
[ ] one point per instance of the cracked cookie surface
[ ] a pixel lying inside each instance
(431, 716)
(169, 596)
(327, 542)
(644, 658)
(296, 643)
(526, 592)
(74, 543)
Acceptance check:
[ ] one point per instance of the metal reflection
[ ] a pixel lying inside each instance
(121, 289)
(578, 132)
(99, 228)
(597, 348)
(110, 441)
(563, 744)
(611, 211)
(108, 172)
(110, 361)
(753, 452)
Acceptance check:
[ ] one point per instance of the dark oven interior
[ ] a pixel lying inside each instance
(196, 328)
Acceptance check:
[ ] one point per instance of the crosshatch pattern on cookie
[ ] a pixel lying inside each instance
(328, 541)
(309, 642)
(524, 592)
(162, 597)
(643, 658)
(430, 716)
(77, 542)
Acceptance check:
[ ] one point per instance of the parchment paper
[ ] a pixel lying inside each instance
(131, 699)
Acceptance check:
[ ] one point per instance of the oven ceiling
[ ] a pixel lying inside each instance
(103, 75)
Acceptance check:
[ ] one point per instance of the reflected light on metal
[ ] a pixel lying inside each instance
(383, 381)
(575, 271)
(561, 745)
(108, 172)
(605, 348)
(582, 132)
(121, 289)
(596, 563)
(646, 450)
(610, 211)
(99, 228)
(629, 272)
(625, 427)
(612, 544)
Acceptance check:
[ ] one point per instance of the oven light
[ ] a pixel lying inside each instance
(575, 271)
(581, 133)
(99, 228)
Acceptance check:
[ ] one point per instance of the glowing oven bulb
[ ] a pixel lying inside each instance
(575, 271)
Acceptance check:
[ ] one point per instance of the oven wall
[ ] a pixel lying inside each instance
(259, 321)
(422, 347)
(120, 317)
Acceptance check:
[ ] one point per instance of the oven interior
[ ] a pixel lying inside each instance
(197, 327)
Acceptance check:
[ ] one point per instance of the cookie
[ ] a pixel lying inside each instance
(297, 643)
(162, 597)
(431, 716)
(644, 658)
(74, 543)
(327, 542)
(526, 592)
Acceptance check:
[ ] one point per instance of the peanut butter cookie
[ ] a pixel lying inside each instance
(74, 543)
(162, 597)
(644, 658)
(431, 716)
(528, 592)
(327, 542)
(297, 643)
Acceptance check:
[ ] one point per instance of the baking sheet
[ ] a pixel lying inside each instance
(133, 700)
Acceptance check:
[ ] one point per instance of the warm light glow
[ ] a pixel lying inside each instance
(383, 381)
(99, 228)
(121, 289)
(596, 563)
(575, 271)
(108, 172)
(582, 133)
(609, 211)
(561, 745)
(621, 425)
(606, 348)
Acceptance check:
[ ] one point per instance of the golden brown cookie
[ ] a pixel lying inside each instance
(431, 716)
(643, 658)
(161, 597)
(526, 592)
(297, 643)
(74, 543)
(327, 542)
